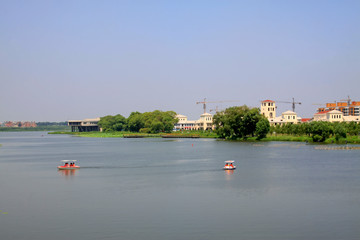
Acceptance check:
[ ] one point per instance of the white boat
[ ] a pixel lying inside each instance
(229, 165)
(68, 165)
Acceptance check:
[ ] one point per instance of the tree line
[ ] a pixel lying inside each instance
(319, 131)
(148, 122)
(52, 123)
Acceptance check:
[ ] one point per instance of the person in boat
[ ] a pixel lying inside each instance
(66, 164)
(231, 165)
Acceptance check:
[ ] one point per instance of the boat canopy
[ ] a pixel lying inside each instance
(65, 161)
(229, 161)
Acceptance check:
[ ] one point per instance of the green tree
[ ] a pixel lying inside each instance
(320, 131)
(159, 121)
(353, 128)
(339, 131)
(135, 122)
(112, 123)
(262, 128)
(237, 122)
(152, 122)
(106, 123)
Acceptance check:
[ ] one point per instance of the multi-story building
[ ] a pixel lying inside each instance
(329, 116)
(204, 123)
(268, 109)
(347, 108)
(334, 116)
(86, 125)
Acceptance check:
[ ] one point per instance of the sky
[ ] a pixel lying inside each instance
(63, 60)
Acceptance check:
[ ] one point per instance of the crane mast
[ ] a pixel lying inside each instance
(293, 103)
(205, 102)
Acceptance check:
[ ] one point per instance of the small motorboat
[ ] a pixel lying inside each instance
(68, 165)
(229, 165)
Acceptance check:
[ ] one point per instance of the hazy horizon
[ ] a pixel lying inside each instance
(63, 60)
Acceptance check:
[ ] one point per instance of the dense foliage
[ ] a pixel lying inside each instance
(319, 131)
(240, 123)
(148, 122)
(113, 123)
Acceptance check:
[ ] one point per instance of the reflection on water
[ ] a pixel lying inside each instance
(67, 172)
(228, 174)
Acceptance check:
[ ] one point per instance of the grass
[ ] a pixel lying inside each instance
(209, 134)
(331, 140)
(287, 138)
(347, 140)
(200, 134)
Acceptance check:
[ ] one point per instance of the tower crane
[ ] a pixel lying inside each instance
(205, 102)
(216, 109)
(293, 103)
(348, 100)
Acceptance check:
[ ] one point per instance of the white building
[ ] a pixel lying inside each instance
(268, 109)
(286, 117)
(335, 116)
(204, 123)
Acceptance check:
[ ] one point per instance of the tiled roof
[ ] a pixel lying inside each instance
(323, 112)
(268, 101)
(305, 119)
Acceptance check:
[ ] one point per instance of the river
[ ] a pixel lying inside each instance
(158, 189)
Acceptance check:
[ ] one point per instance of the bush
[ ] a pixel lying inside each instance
(145, 130)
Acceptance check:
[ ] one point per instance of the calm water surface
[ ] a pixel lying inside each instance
(175, 189)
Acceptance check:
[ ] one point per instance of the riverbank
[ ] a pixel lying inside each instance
(122, 134)
(200, 134)
(331, 140)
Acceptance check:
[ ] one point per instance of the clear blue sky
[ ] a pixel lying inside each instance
(62, 60)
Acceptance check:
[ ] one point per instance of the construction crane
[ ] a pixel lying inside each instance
(205, 102)
(348, 100)
(216, 109)
(293, 103)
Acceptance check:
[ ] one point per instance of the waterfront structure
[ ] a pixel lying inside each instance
(204, 123)
(86, 125)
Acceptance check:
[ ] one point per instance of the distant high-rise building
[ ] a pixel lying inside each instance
(348, 109)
